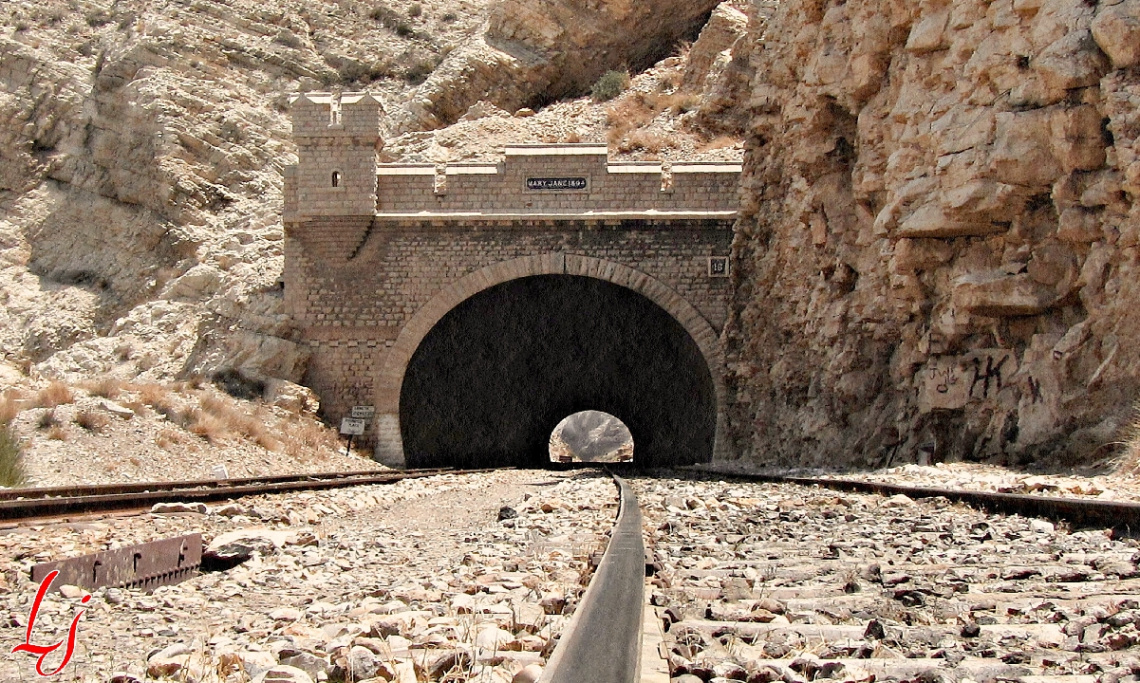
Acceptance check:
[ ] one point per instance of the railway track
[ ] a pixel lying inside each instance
(767, 579)
(789, 581)
(803, 580)
(33, 503)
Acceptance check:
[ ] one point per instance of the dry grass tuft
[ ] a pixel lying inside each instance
(641, 139)
(94, 421)
(107, 387)
(55, 394)
(48, 420)
(9, 407)
(1129, 459)
(306, 438)
(11, 457)
(719, 142)
(167, 437)
(676, 103)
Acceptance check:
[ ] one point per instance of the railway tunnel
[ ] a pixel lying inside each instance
(497, 374)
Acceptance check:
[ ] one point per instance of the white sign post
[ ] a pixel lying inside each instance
(365, 412)
(350, 427)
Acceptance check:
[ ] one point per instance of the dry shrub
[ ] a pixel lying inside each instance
(166, 437)
(11, 457)
(610, 85)
(48, 420)
(210, 427)
(55, 394)
(675, 103)
(9, 407)
(1130, 458)
(107, 387)
(719, 142)
(306, 438)
(626, 115)
(94, 421)
(640, 139)
(670, 80)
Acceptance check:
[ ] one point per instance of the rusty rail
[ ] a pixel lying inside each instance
(1122, 517)
(146, 565)
(602, 644)
(20, 504)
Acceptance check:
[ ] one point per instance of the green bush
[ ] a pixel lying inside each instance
(11, 457)
(609, 86)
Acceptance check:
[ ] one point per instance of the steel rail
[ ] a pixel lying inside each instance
(143, 496)
(142, 486)
(1121, 517)
(602, 643)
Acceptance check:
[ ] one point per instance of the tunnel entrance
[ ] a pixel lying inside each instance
(591, 436)
(496, 375)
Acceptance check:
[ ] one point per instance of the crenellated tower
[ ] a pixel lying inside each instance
(337, 141)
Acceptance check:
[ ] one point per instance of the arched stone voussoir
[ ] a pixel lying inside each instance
(390, 377)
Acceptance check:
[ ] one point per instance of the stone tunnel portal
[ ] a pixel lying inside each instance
(498, 372)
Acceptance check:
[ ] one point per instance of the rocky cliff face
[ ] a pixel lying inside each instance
(536, 51)
(938, 254)
(141, 147)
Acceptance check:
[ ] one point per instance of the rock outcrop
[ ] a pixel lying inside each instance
(938, 252)
(534, 52)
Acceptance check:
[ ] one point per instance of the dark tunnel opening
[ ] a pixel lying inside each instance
(498, 373)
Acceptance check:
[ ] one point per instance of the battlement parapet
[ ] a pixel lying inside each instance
(324, 115)
(557, 179)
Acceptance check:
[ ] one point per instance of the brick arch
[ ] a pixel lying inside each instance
(389, 444)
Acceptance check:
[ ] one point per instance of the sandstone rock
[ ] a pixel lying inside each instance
(117, 410)
(173, 508)
(291, 396)
(528, 674)
(530, 49)
(725, 27)
(1073, 61)
(932, 221)
(283, 674)
(1002, 295)
(1117, 32)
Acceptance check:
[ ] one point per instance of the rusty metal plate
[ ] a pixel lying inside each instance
(147, 565)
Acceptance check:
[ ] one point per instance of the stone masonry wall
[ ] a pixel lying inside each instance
(502, 188)
(350, 313)
(368, 248)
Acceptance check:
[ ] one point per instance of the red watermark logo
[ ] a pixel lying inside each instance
(44, 650)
